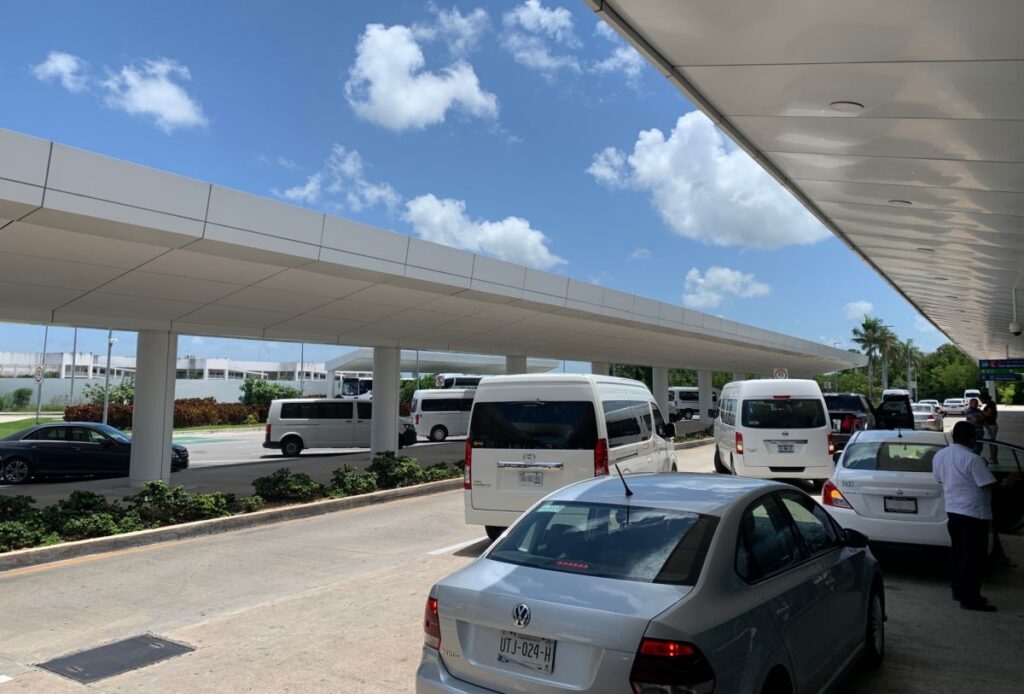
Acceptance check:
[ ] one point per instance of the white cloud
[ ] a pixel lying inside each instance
(388, 86)
(512, 238)
(285, 163)
(535, 34)
(717, 283)
(306, 193)
(858, 310)
(65, 68)
(197, 340)
(707, 189)
(623, 60)
(343, 174)
(461, 32)
(152, 89)
(640, 254)
(922, 325)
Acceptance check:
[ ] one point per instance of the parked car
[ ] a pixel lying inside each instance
(71, 448)
(895, 410)
(932, 402)
(955, 406)
(294, 425)
(531, 434)
(694, 583)
(440, 413)
(848, 413)
(927, 417)
(774, 428)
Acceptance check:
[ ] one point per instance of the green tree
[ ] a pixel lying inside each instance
(122, 393)
(256, 391)
(946, 373)
(637, 373)
(868, 336)
(411, 386)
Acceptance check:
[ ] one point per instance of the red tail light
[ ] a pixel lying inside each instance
(431, 625)
(831, 496)
(467, 475)
(670, 666)
(831, 443)
(931, 416)
(739, 443)
(417, 419)
(268, 433)
(849, 424)
(601, 458)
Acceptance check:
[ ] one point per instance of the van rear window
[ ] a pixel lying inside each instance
(534, 424)
(783, 414)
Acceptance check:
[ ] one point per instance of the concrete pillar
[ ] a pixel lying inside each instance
(704, 393)
(737, 376)
(515, 364)
(153, 417)
(600, 368)
(659, 384)
(332, 387)
(991, 385)
(386, 377)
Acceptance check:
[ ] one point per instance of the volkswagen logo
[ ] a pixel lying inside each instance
(529, 457)
(521, 615)
(899, 492)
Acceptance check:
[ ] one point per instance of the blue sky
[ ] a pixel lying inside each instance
(518, 129)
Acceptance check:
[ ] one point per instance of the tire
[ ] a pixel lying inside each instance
(874, 630)
(493, 531)
(438, 433)
(777, 682)
(16, 471)
(720, 467)
(291, 447)
(687, 414)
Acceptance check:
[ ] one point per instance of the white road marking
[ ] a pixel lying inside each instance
(455, 547)
(5, 678)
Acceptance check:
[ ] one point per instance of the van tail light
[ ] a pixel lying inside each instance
(417, 420)
(831, 496)
(739, 443)
(431, 625)
(831, 443)
(467, 474)
(601, 457)
(268, 434)
(670, 666)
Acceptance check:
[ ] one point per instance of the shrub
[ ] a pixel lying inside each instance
(20, 398)
(256, 391)
(285, 485)
(18, 509)
(91, 525)
(78, 505)
(251, 419)
(160, 504)
(188, 412)
(19, 535)
(441, 471)
(250, 504)
(395, 471)
(349, 481)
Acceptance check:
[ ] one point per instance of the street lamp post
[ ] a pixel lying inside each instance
(111, 341)
(835, 345)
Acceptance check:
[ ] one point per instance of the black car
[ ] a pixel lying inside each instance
(406, 434)
(71, 448)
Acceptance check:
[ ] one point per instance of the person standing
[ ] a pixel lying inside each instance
(967, 487)
(990, 415)
(976, 418)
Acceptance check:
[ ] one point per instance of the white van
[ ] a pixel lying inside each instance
(456, 380)
(774, 429)
(294, 425)
(438, 414)
(531, 434)
(684, 403)
(971, 393)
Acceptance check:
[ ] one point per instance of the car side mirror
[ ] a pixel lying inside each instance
(836, 456)
(667, 430)
(854, 538)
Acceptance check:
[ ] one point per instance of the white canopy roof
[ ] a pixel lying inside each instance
(428, 362)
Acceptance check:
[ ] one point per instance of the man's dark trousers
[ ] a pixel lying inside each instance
(969, 537)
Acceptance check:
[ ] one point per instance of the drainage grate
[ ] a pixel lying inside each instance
(115, 658)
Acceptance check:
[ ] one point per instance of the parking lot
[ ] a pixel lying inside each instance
(335, 603)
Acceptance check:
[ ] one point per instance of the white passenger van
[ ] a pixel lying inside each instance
(294, 425)
(971, 393)
(531, 434)
(684, 403)
(438, 414)
(774, 429)
(456, 380)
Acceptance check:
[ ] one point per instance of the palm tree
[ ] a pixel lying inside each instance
(888, 345)
(868, 337)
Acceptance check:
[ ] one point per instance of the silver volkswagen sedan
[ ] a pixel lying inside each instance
(676, 583)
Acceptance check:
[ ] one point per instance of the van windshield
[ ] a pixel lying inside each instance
(783, 414)
(534, 424)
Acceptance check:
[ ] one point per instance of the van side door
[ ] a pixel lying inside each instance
(663, 441)
(362, 425)
(335, 429)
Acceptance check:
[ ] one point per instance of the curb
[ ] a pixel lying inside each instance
(70, 550)
(694, 444)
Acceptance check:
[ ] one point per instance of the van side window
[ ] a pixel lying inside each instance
(467, 404)
(622, 422)
(298, 410)
(727, 411)
(364, 410)
(659, 421)
(334, 410)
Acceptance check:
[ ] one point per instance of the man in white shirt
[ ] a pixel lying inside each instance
(967, 487)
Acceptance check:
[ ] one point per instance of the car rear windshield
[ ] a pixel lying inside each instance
(560, 424)
(891, 456)
(845, 403)
(783, 414)
(612, 541)
(924, 409)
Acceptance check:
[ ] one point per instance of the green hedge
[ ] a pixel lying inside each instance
(188, 412)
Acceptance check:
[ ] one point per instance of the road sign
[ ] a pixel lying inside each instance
(39, 374)
(780, 373)
(1002, 377)
(999, 370)
(1001, 364)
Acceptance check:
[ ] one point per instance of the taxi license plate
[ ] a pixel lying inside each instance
(531, 652)
(531, 479)
(900, 504)
(784, 448)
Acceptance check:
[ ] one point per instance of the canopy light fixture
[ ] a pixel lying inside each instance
(846, 106)
(926, 250)
(904, 203)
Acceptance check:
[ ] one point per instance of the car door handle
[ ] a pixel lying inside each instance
(783, 611)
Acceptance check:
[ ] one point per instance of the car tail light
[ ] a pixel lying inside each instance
(739, 443)
(670, 667)
(431, 625)
(831, 443)
(417, 420)
(601, 458)
(467, 475)
(931, 416)
(831, 496)
(268, 434)
(849, 424)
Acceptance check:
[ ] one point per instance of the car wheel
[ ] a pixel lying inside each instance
(719, 465)
(874, 632)
(777, 682)
(16, 471)
(493, 531)
(291, 447)
(687, 414)
(438, 433)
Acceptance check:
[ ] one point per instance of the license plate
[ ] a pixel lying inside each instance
(900, 504)
(531, 479)
(784, 448)
(531, 652)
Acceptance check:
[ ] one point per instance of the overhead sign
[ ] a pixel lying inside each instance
(1002, 377)
(1001, 370)
(39, 374)
(1001, 364)
(780, 373)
